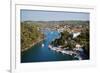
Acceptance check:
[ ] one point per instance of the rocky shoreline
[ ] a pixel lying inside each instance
(68, 52)
(22, 50)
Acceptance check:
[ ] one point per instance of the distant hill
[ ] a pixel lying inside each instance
(59, 22)
(51, 24)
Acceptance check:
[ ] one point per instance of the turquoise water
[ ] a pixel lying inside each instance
(38, 53)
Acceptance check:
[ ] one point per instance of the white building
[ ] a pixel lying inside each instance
(75, 34)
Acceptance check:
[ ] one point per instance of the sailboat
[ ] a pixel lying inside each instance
(42, 45)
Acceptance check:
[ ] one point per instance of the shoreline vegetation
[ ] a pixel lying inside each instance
(22, 50)
(77, 39)
(73, 34)
(30, 35)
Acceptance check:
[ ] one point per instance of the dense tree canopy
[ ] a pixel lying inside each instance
(30, 34)
(67, 41)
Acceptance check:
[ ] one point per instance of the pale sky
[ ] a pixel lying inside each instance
(34, 15)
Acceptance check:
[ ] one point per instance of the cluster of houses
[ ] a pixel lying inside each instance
(75, 30)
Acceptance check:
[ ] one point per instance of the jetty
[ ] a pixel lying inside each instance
(67, 52)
